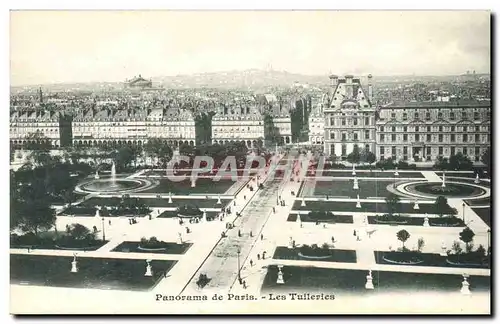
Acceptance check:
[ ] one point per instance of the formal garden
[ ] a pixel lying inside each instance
(202, 186)
(325, 252)
(152, 245)
(75, 237)
(454, 257)
(344, 188)
(350, 281)
(94, 273)
(322, 217)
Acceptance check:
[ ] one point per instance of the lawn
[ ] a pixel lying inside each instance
(374, 174)
(347, 281)
(484, 214)
(171, 214)
(203, 186)
(170, 248)
(368, 207)
(284, 253)
(97, 273)
(344, 188)
(479, 202)
(338, 219)
(201, 202)
(429, 260)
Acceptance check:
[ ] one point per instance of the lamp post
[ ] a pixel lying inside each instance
(239, 269)
(103, 232)
(463, 212)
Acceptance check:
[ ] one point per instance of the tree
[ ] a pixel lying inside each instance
(460, 162)
(441, 164)
(466, 236)
(39, 145)
(79, 232)
(393, 203)
(354, 156)
(123, 157)
(486, 157)
(403, 236)
(33, 211)
(441, 206)
(367, 156)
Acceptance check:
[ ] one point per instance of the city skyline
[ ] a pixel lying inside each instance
(63, 47)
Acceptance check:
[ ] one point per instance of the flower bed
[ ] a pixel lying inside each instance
(446, 221)
(306, 252)
(401, 220)
(160, 247)
(61, 243)
(406, 258)
(189, 211)
(335, 219)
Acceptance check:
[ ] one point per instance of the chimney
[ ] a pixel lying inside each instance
(334, 80)
(370, 87)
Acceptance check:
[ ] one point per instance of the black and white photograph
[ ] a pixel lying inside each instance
(250, 162)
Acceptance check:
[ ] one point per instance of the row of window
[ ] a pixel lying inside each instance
(428, 152)
(351, 121)
(475, 128)
(453, 137)
(355, 136)
(440, 115)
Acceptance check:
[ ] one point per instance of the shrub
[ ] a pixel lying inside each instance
(420, 244)
(456, 248)
(325, 246)
(481, 250)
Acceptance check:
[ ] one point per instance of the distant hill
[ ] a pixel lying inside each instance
(252, 79)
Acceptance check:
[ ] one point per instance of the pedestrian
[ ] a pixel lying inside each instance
(263, 255)
(244, 197)
(234, 203)
(244, 284)
(258, 256)
(239, 233)
(251, 234)
(274, 210)
(261, 237)
(333, 239)
(110, 222)
(354, 233)
(251, 262)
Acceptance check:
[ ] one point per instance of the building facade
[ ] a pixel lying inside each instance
(239, 124)
(424, 131)
(53, 125)
(316, 126)
(349, 117)
(133, 126)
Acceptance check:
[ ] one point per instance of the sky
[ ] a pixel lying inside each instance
(111, 46)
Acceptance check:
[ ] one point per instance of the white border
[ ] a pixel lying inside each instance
(198, 4)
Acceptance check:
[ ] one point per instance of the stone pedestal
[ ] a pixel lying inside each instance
(193, 183)
(179, 238)
(299, 221)
(416, 207)
(358, 203)
(97, 213)
(426, 222)
(74, 266)
(369, 281)
(355, 185)
(465, 286)
(396, 173)
(204, 216)
(303, 203)
(443, 185)
(218, 200)
(477, 178)
(290, 243)
(96, 175)
(280, 280)
(149, 270)
(353, 170)
(170, 199)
